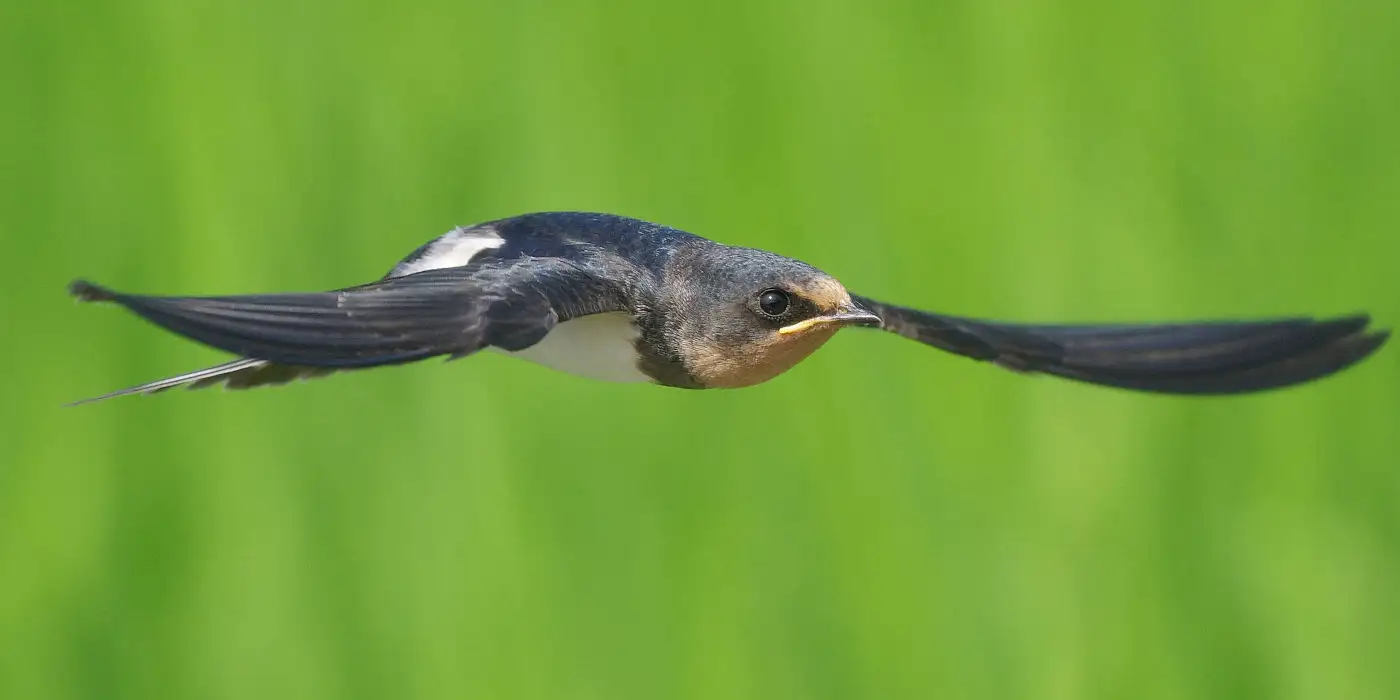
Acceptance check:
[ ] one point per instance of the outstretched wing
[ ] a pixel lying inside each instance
(1215, 357)
(456, 311)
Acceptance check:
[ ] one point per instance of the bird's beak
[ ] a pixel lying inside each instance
(848, 315)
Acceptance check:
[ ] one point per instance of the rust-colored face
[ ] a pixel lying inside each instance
(774, 326)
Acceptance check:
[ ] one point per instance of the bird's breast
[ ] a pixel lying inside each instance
(598, 346)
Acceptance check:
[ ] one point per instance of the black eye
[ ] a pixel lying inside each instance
(773, 302)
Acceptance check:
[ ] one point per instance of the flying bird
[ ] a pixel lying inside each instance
(620, 299)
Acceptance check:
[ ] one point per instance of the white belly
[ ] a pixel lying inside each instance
(597, 347)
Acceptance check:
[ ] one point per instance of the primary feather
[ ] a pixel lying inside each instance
(1212, 357)
(451, 311)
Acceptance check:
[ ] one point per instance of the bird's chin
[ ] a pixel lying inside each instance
(756, 363)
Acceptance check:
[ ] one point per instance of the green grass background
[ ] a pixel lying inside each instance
(884, 521)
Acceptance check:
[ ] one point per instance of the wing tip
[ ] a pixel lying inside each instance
(1355, 321)
(1344, 351)
(1370, 342)
(1331, 359)
(1356, 336)
(1300, 350)
(86, 291)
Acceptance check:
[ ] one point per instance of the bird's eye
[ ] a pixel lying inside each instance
(773, 302)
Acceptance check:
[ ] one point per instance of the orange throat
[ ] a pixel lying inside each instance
(734, 368)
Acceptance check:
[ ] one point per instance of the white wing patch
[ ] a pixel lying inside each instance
(452, 249)
(598, 346)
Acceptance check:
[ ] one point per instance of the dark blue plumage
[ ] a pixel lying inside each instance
(646, 302)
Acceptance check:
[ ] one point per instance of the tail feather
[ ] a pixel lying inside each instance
(238, 374)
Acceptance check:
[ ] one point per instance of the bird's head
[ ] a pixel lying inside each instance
(749, 315)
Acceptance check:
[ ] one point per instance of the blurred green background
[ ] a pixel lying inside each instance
(884, 521)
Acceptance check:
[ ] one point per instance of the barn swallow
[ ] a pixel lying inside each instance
(619, 299)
